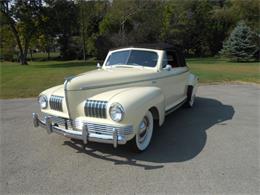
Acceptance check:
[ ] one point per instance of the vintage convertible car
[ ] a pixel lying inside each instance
(121, 101)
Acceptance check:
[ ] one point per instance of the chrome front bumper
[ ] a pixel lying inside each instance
(116, 137)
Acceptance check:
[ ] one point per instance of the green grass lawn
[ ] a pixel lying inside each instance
(215, 70)
(28, 81)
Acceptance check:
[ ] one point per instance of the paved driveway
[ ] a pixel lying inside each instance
(212, 148)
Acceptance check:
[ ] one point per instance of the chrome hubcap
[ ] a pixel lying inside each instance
(143, 129)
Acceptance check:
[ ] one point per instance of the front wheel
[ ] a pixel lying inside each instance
(144, 134)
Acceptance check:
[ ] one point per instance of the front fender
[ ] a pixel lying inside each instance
(137, 101)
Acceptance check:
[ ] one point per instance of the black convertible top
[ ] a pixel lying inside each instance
(159, 46)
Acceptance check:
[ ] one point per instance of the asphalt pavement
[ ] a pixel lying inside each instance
(212, 148)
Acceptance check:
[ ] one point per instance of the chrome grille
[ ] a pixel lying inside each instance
(56, 102)
(108, 130)
(92, 127)
(94, 108)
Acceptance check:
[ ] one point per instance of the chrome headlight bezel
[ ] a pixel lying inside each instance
(43, 101)
(116, 112)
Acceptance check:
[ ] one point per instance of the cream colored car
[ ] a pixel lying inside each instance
(121, 101)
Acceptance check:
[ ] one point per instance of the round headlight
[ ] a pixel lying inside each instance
(116, 112)
(43, 101)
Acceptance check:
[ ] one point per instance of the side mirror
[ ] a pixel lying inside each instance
(98, 65)
(168, 67)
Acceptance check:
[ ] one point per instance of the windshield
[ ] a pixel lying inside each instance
(133, 58)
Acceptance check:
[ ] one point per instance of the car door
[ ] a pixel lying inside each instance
(174, 78)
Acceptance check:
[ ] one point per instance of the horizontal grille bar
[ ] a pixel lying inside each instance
(92, 127)
(56, 102)
(95, 108)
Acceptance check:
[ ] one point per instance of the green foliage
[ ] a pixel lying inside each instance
(248, 11)
(64, 15)
(240, 45)
(91, 14)
(23, 18)
(7, 44)
(83, 29)
(167, 16)
(195, 25)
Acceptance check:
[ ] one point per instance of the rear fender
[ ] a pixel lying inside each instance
(193, 81)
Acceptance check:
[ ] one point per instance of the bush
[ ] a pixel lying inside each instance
(240, 45)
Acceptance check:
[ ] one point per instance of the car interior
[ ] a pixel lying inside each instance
(174, 60)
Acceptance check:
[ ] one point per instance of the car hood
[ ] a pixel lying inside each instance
(107, 77)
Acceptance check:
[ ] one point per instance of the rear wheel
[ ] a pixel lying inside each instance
(143, 137)
(190, 97)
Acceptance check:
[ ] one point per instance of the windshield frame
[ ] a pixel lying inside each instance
(132, 66)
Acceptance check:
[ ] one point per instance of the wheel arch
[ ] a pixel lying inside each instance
(156, 115)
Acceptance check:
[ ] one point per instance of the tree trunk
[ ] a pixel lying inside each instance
(24, 54)
(84, 48)
(83, 30)
(23, 59)
(31, 54)
(48, 52)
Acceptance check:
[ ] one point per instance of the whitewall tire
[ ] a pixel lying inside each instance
(144, 134)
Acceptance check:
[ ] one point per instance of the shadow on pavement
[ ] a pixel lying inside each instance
(181, 138)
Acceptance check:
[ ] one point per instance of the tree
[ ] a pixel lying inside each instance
(91, 14)
(7, 43)
(23, 17)
(240, 45)
(64, 20)
(131, 22)
(166, 21)
(46, 31)
(248, 11)
(196, 27)
(222, 20)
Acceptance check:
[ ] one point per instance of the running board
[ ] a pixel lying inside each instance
(169, 111)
